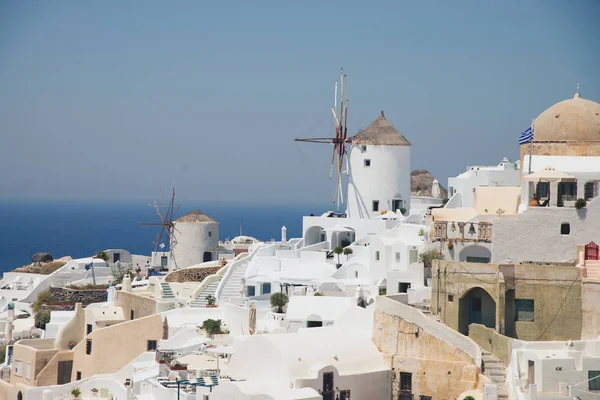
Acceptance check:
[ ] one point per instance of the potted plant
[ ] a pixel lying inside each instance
(421, 232)
(211, 300)
(338, 250)
(580, 204)
(279, 300)
(450, 245)
(76, 392)
(212, 327)
(94, 392)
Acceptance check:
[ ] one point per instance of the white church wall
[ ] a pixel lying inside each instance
(535, 235)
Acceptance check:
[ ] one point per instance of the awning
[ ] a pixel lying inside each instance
(549, 174)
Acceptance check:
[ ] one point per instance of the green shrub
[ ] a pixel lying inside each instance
(428, 256)
(45, 296)
(42, 318)
(318, 294)
(580, 203)
(469, 398)
(2, 354)
(212, 326)
(76, 392)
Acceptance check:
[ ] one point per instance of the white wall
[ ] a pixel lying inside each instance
(387, 178)
(535, 234)
(505, 174)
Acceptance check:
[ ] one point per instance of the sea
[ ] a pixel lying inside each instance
(80, 229)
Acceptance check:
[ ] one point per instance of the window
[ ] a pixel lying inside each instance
(481, 260)
(367, 163)
(151, 345)
(524, 310)
(88, 346)
(363, 148)
(251, 291)
(266, 288)
(396, 204)
(594, 377)
(542, 190)
(344, 394)
(89, 329)
(314, 324)
(413, 256)
(397, 256)
(356, 274)
(450, 298)
(377, 255)
(209, 233)
(375, 205)
(18, 368)
(132, 314)
(424, 397)
(28, 371)
(78, 375)
(403, 287)
(589, 191)
(164, 260)
(405, 384)
(568, 190)
(565, 228)
(450, 191)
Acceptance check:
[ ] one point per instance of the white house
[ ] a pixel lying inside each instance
(506, 173)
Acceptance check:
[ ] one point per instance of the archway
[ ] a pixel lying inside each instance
(20, 396)
(314, 235)
(476, 254)
(207, 256)
(476, 306)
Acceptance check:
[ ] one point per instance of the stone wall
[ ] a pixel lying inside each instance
(439, 369)
(492, 341)
(590, 299)
(191, 274)
(78, 295)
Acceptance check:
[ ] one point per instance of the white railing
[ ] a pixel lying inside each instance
(215, 277)
(234, 265)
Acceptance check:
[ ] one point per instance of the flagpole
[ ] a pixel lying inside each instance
(531, 146)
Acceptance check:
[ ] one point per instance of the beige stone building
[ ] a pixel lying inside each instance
(528, 302)
(96, 340)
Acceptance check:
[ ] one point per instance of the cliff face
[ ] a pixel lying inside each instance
(421, 182)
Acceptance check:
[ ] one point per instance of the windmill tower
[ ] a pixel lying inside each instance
(161, 256)
(197, 238)
(339, 158)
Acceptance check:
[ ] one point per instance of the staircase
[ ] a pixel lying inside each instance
(592, 270)
(200, 301)
(232, 286)
(167, 291)
(494, 369)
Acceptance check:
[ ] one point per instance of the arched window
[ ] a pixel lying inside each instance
(565, 228)
(356, 274)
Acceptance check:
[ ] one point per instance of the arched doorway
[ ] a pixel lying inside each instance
(314, 234)
(476, 306)
(476, 254)
(20, 396)
(207, 256)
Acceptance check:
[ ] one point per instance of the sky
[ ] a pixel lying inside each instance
(119, 100)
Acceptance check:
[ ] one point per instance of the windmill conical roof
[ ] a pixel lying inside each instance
(196, 217)
(381, 133)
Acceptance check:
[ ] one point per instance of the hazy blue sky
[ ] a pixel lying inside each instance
(118, 99)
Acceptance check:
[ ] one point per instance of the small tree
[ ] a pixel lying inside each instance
(428, 256)
(118, 271)
(347, 252)
(338, 250)
(212, 326)
(279, 300)
(42, 318)
(580, 203)
(101, 254)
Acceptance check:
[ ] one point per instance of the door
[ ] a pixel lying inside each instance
(116, 257)
(64, 372)
(531, 373)
(474, 310)
(328, 388)
(207, 256)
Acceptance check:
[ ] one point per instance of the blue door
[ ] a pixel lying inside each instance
(474, 310)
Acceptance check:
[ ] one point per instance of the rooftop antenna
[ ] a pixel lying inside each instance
(166, 213)
(340, 141)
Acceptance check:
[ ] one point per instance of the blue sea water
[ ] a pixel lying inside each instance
(81, 229)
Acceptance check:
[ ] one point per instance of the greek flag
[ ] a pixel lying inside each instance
(526, 136)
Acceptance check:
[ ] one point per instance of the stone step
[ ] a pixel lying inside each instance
(491, 373)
